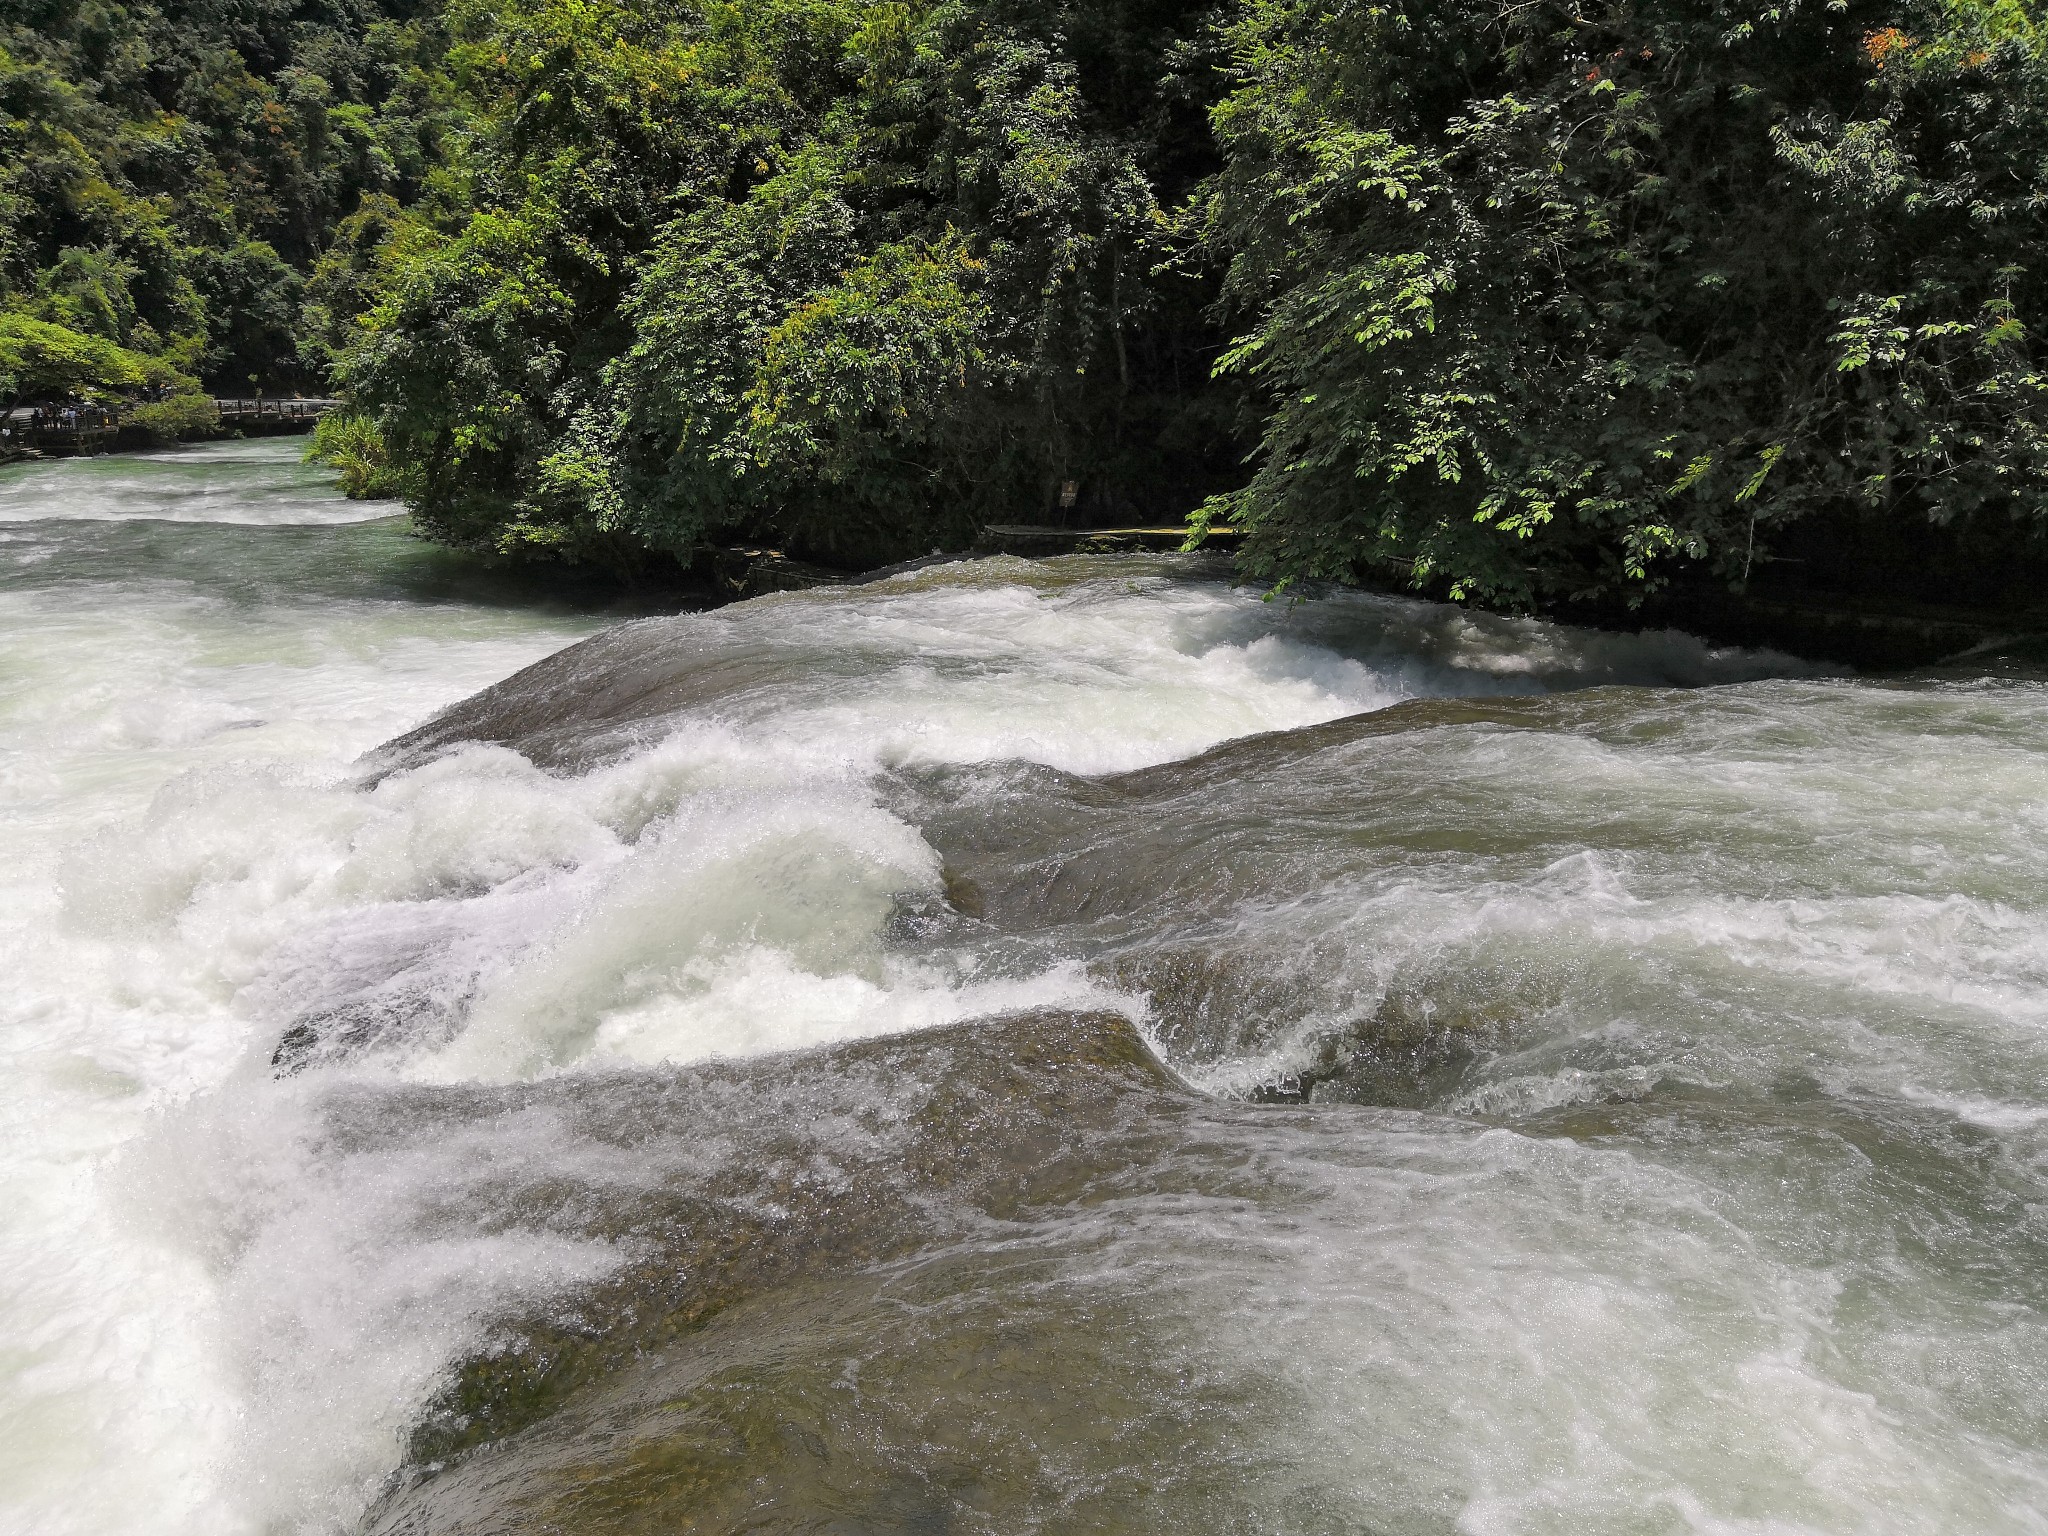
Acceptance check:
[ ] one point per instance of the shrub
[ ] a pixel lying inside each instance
(353, 446)
(177, 418)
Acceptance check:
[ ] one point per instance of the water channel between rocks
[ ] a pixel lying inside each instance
(1059, 1046)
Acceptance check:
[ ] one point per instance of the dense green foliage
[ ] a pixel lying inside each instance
(351, 444)
(173, 171)
(1543, 298)
(856, 275)
(43, 360)
(1526, 300)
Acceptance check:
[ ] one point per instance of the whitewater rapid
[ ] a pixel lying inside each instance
(1617, 1061)
(210, 628)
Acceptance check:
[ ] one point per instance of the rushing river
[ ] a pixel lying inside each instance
(1059, 1047)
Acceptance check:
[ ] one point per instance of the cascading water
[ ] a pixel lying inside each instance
(1601, 1087)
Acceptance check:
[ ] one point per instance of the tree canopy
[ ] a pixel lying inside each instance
(40, 360)
(1539, 299)
(171, 173)
(858, 275)
(1523, 299)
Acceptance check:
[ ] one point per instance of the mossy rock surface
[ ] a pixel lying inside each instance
(874, 1306)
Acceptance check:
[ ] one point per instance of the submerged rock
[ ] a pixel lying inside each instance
(577, 707)
(817, 1241)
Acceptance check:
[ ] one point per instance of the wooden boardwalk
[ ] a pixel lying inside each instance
(277, 415)
(72, 429)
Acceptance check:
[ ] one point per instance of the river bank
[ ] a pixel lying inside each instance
(29, 433)
(1873, 630)
(1877, 620)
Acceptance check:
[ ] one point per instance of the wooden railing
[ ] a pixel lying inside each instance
(86, 427)
(60, 427)
(282, 410)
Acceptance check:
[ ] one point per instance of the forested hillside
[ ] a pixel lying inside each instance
(1530, 300)
(172, 174)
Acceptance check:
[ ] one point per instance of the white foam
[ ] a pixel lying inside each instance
(233, 1313)
(174, 766)
(263, 482)
(1000, 660)
(759, 1000)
